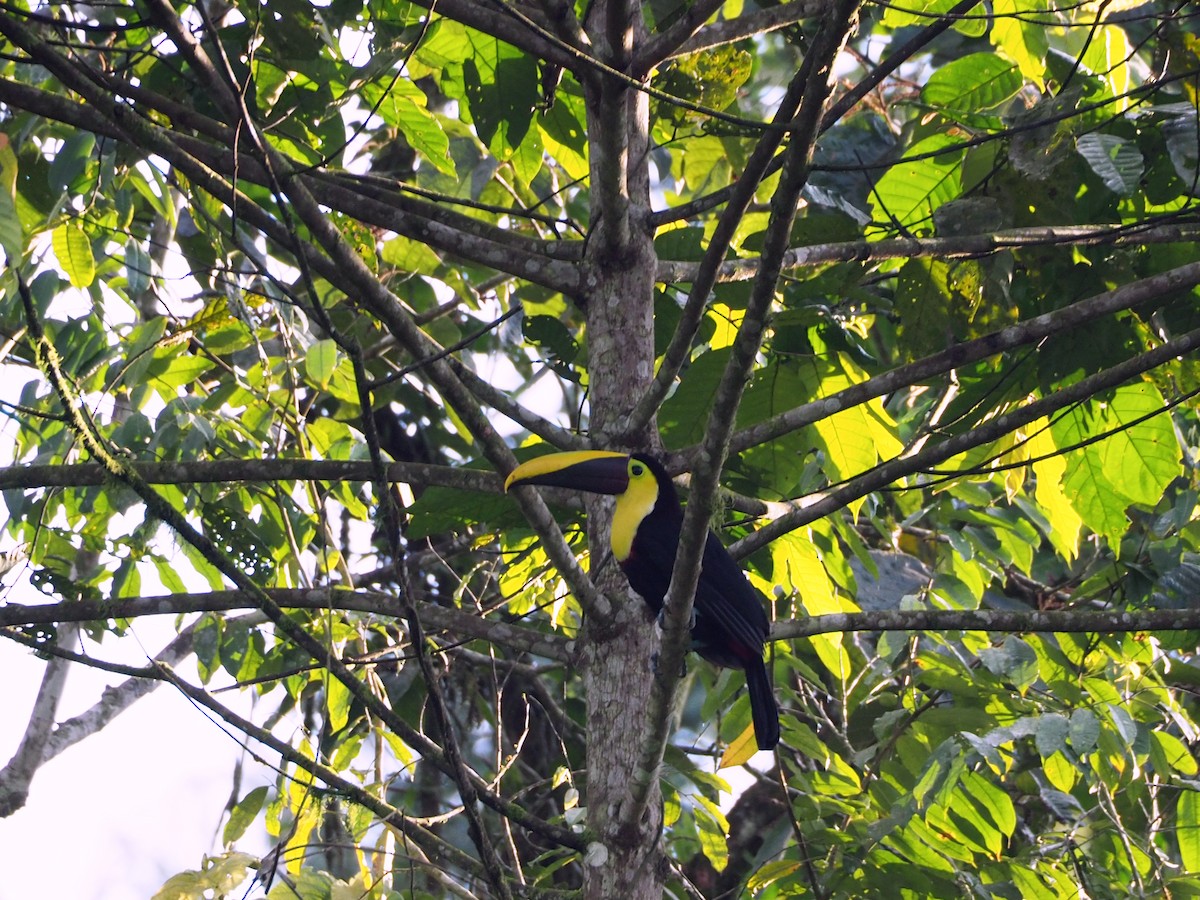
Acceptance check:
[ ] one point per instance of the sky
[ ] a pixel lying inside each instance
(141, 800)
(114, 816)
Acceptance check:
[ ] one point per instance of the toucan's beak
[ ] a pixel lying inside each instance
(596, 471)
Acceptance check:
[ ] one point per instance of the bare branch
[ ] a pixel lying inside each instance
(681, 39)
(251, 470)
(115, 700)
(660, 46)
(16, 777)
(390, 815)
(459, 622)
(971, 246)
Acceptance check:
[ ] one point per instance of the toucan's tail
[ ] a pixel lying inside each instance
(763, 708)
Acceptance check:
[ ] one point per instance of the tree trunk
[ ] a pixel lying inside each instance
(620, 268)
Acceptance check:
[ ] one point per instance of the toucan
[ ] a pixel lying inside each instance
(730, 626)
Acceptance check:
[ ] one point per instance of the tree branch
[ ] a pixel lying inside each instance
(388, 309)
(1062, 621)
(348, 272)
(115, 700)
(391, 816)
(16, 777)
(970, 246)
(445, 230)
(49, 362)
(251, 470)
(828, 502)
(1022, 334)
(748, 25)
(457, 621)
(658, 47)
(705, 272)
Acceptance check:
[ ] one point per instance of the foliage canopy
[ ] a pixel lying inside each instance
(290, 287)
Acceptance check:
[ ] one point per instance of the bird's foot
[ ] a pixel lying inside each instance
(662, 619)
(654, 665)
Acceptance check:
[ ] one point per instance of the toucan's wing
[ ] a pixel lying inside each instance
(728, 606)
(731, 624)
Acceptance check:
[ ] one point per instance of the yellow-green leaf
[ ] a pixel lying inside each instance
(74, 252)
(243, 813)
(739, 752)
(1049, 467)
(711, 828)
(409, 256)
(1022, 42)
(1059, 772)
(797, 565)
(1187, 828)
(1175, 752)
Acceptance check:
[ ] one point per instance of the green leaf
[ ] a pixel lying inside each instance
(320, 360)
(404, 105)
(127, 581)
(168, 576)
(972, 85)
(1133, 463)
(684, 413)
(1051, 734)
(409, 256)
(1059, 771)
(244, 812)
(440, 509)
(74, 252)
(337, 703)
(1030, 885)
(1187, 830)
(1116, 160)
(206, 644)
(1084, 731)
(1141, 457)
(217, 877)
(564, 136)
(70, 160)
(12, 237)
(502, 89)
(711, 828)
(1014, 660)
(1108, 56)
(711, 79)
(771, 872)
(911, 190)
(1175, 753)
(796, 565)
(137, 269)
(330, 438)
(1025, 43)
(168, 371)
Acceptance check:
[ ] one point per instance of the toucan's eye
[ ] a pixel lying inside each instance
(636, 469)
